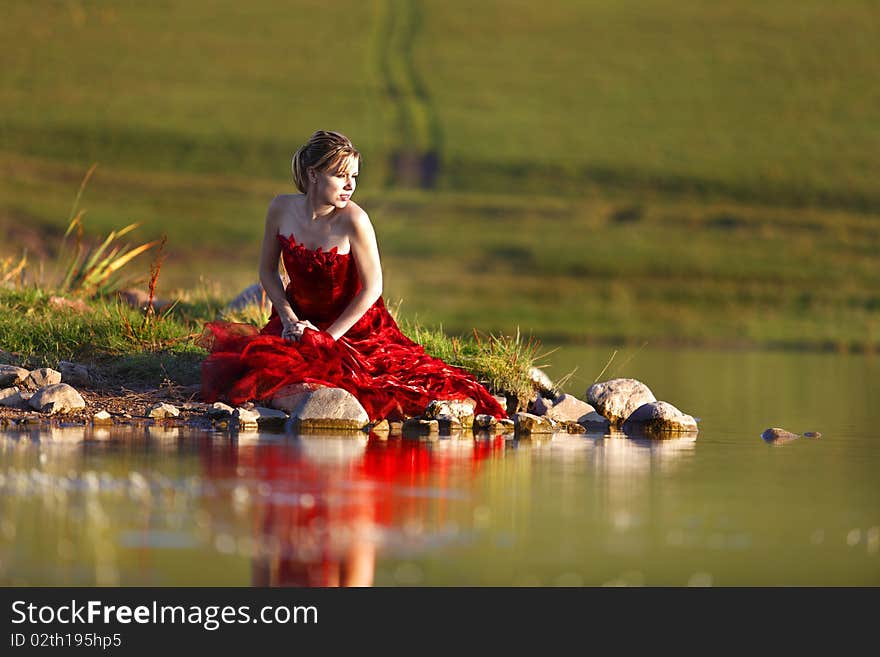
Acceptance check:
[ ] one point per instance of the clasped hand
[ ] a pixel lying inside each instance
(295, 330)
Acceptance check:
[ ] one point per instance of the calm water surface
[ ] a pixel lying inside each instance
(177, 507)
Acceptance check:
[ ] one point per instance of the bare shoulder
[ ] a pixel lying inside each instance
(284, 201)
(279, 206)
(356, 219)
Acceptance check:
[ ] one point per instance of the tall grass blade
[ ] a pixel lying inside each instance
(79, 193)
(606, 366)
(633, 355)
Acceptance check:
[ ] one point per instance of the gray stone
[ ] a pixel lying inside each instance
(777, 435)
(270, 416)
(162, 410)
(542, 382)
(568, 408)
(290, 397)
(573, 427)
(74, 373)
(219, 409)
(325, 408)
(253, 294)
(10, 375)
(506, 425)
(528, 423)
(44, 376)
(593, 422)
(452, 412)
(618, 398)
(452, 426)
(540, 406)
(245, 415)
(10, 397)
(57, 398)
(102, 417)
(485, 422)
(420, 427)
(659, 418)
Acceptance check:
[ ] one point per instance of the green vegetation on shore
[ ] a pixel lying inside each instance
(138, 349)
(615, 172)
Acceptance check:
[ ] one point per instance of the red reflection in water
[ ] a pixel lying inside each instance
(320, 504)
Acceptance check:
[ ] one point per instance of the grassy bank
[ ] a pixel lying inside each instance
(136, 350)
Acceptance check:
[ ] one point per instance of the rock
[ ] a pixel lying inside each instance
(162, 410)
(219, 410)
(140, 299)
(452, 412)
(10, 397)
(517, 404)
(76, 305)
(573, 427)
(420, 427)
(812, 434)
(540, 406)
(568, 408)
(245, 415)
(618, 398)
(777, 435)
(396, 428)
(74, 373)
(485, 422)
(102, 417)
(326, 408)
(10, 375)
(542, 382)
(270, 416)
(290, 397)
(527, 423)
(380, 430)
(452, 426)
(659, 418)
(506, 425)
(594, 422)
(56, 398)
(252, 294)
(44, 376)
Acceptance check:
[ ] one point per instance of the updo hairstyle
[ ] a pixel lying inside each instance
(323, 151)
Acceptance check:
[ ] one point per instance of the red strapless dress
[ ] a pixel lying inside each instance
(390, 375)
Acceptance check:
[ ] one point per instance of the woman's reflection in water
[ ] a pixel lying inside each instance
(320, 505)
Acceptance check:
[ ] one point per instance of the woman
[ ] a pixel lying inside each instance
(329, 326)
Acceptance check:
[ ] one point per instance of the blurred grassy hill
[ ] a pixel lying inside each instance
(605, 170)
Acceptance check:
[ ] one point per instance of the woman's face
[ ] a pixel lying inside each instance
(336, 186)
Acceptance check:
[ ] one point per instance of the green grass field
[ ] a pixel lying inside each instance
(616, 171)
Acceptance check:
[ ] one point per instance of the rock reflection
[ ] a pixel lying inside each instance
(629, 496)
(322, 506)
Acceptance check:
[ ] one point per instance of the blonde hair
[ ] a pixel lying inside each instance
(323, 151)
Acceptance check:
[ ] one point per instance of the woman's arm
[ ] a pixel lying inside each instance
(362, 238)
(269, 276)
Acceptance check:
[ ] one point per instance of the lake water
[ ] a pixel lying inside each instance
(169, 507)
